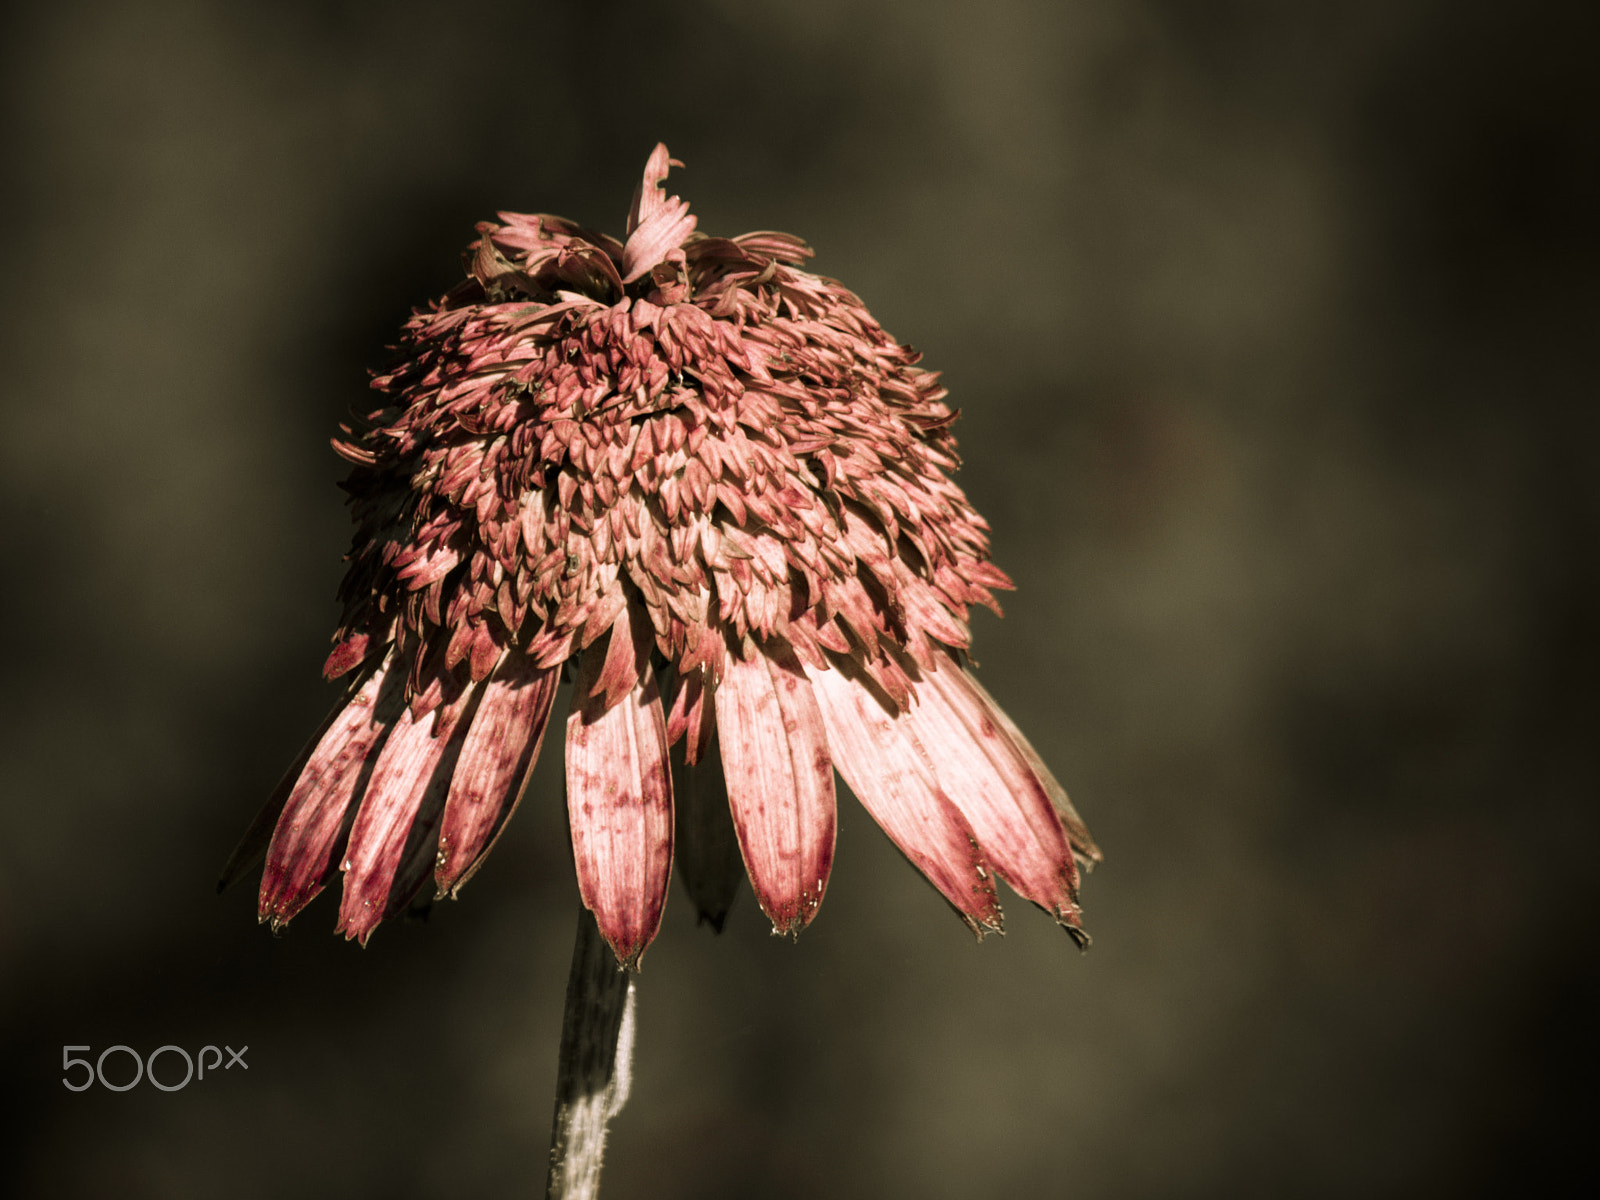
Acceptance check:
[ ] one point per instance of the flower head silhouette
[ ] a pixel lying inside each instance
(708, 485)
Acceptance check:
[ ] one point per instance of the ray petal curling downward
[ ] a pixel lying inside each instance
(987, 777)
(619, 803)
(890, 772)
(780, 784)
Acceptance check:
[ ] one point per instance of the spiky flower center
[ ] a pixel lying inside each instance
(729, 442)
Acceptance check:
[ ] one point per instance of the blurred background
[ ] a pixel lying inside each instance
(1272, 328)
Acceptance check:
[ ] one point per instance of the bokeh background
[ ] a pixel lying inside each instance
(1272, 330)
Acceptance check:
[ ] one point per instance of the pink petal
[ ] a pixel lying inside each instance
(984, 772)
(656, 224)
(780, 784)
(890, 772)
(1077, 832)
(347, 655)
(649, 196)
(588, 269)
(252, 846)
(627, 652)
(619, 803)
(313, 821)
(784, 247)
(690, 718)
(501, 747)
(707, 847)
(405, 796)
(426, 568)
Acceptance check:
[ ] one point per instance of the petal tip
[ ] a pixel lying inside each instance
(1071, 920)
(628, 960)
(981, 929)
(791, 925)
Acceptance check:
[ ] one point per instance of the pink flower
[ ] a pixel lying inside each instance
(710, 487)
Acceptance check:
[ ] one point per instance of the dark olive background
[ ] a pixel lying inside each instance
(1267, 323)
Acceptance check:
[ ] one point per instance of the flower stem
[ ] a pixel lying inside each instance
(596, 1064)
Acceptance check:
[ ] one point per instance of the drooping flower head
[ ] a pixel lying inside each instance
(711, 487)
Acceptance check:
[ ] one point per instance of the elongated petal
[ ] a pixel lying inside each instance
(347, 655)
(252, 847)
(1077, 832)
(780, 785)
(314, 819)
(500, 749)
(627, 651)
(707, 847)
(619, 803)
(984, 772)
(656, 223)
(690, 718)
(403, 802)
(889, 771)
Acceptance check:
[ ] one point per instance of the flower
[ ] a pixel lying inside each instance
(711, 488)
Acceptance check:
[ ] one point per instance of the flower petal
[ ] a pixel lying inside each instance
(500, 749)
(691, 716)
(315, 816)
(707, 847)
(403, 802)
(1077, 832)
(890, 772)
(626, 654)
(780, 784)
(984, 772)
(347, 655)
(619, 803)
(784, 247)
(252, 846)
(656, 224)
